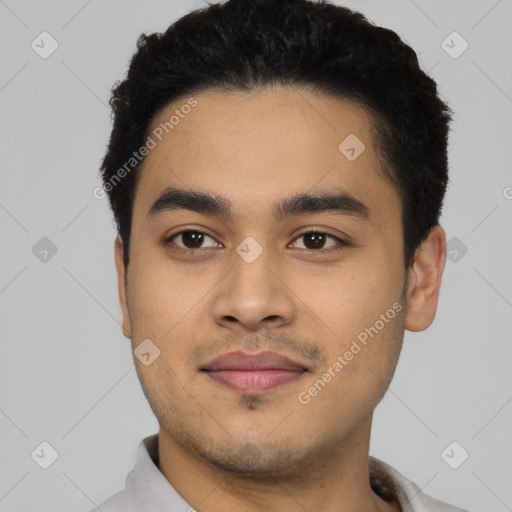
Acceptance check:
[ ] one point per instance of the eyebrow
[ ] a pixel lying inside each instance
(340, 203)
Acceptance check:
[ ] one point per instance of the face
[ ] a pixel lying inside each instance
(319, 282)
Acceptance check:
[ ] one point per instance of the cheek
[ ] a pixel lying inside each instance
(364, 316)
(359, 368)
(168, 307)
(155, 299)
(354, 297)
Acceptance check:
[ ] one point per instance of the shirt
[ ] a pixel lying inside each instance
(147, 490)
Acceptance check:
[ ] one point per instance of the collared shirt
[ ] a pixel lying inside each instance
(147, 490)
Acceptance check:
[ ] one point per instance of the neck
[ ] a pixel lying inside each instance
(340, 473)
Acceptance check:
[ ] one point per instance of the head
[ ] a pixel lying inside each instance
(305, 152)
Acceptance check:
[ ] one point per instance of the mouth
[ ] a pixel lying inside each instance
(253, 373)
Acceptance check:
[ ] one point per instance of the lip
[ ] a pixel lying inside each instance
(253, 373)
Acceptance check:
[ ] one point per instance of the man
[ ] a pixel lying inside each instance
(276, 170)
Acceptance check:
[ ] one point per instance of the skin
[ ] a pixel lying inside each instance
(222, 449)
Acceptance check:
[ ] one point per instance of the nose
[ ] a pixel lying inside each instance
(254, 295)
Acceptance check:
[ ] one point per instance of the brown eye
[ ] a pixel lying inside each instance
(191, 239)
(316, 240)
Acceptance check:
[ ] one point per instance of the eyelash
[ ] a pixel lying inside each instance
(341, 243)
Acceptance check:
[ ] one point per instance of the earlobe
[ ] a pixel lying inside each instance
(425, 281)
(121, 285)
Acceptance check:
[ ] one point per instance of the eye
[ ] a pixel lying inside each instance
(315, 240)
(191, 239)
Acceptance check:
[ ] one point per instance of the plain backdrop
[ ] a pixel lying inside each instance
(67, 376)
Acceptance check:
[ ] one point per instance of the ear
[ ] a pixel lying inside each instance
(121, 285)
(425, 281)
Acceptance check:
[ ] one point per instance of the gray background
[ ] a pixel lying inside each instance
(67, 374)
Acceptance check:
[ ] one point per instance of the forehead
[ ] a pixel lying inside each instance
(261, 146)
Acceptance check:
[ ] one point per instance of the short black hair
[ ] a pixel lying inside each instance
(246, 45)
